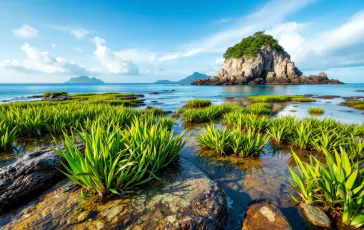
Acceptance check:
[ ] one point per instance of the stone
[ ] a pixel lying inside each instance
(315, 215)
(264, 215)
(184, 198)
(32, 174)
(269, 66)
(57, 97)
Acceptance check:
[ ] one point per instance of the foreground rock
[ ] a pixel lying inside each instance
(185, 198)
(263, 215)
(28, 177)
(315, 215)
(57, 97)
(269, 66)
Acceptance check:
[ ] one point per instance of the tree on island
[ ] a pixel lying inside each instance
(251, 45)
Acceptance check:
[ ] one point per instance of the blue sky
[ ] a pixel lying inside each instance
(143, 41)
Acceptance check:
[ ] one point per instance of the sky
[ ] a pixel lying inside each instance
(50, 41)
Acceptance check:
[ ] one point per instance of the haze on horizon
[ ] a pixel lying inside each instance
(144, 41)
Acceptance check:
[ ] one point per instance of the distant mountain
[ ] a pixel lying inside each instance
(164, 82)
(84, 80)
(187, 80)
(194, 77)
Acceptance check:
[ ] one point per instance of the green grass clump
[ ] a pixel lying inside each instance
(337, 186)
(280, 98)
(361, 107)
(47, 94)
(198, 103)
(116, 160)
(246, 121)
(251, 45)
(7, 136)
(353, 102)
(260, 108)
(316, 110)
(224, 140)
(211, 113)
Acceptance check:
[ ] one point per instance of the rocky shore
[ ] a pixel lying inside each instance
(269, 66)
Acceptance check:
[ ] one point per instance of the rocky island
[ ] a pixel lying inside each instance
(187, 80)
(84, 80)
(259, 59)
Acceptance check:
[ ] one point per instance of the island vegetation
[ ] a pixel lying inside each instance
(251, 45)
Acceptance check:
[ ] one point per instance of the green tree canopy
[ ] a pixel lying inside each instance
(251, 45)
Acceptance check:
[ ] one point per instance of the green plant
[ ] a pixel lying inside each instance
(6, 136)
(260, 108)
(337, 185)
(47, 94)
(250, 144)
(115, 159)
(251, 45)
(197, 103)
(216, 139)
(316, 110)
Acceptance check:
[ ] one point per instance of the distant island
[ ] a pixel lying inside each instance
(84, 80)
(187, 80)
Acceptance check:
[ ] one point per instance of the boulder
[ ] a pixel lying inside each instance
(263, 215)
(57, 97)
(184, 198)
(315, 215)
(27, 177)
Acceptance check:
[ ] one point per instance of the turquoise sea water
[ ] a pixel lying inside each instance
(171, 100)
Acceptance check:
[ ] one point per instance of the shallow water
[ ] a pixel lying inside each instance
(243, 180)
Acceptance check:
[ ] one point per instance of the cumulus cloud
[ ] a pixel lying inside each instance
(112, 63)
(240, 28)
(342, 46)
(137, 55)
(26, 31)
(43, 62)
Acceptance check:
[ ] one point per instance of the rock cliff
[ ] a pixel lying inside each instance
(268, 66)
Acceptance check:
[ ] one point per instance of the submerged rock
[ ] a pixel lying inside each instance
(263, 215)
(315, 215)
(185, 198)
(23, 180)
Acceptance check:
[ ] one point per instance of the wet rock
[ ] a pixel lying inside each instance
(263, 215)
(185, 198)
(327, 96)
(315, 215)
(154, 93)
(27, 177)
(57, 97)
(360, 90)
(35, 96)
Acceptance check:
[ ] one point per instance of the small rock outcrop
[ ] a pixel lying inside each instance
(185, 198)
(315, 215)
(28, 177)
(268, 66)
(263, 215)
(57, 97)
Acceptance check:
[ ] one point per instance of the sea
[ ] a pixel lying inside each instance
(172, 96)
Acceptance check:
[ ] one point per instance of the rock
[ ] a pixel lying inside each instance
(360, 90)
(57, 97)
(185, 198)
(154, 93)
(327, 96)
(315, 215)
(263, 215)
(27, 177)
(269, 66)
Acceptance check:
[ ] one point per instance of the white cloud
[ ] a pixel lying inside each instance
(54, 46)
(223, 20)
(80, 33)
(79, 50)
(77, 32)
(26, 31)
(111, 62)
(240, 28)
(43, 62)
